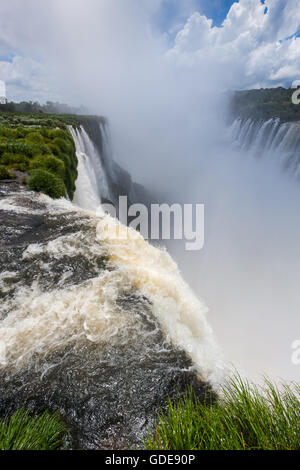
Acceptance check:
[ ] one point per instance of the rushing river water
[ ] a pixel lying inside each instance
(102, 330)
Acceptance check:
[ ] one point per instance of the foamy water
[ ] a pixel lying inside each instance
(39, 322)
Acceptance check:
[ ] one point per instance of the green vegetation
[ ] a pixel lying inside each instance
(265, 104)
(23, 432)
(40, 122)
(50, 163)
(39, 142)
(245, 418)
(5, 174)
(46, 182)
(35, 107)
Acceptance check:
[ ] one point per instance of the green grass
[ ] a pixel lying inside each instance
(23, 432)
(245, 418)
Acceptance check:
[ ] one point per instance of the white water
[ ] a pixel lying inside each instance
(40, 322)
(152, 271)
(226, 274)
(36, 322)
(91, 184)
(270, 139)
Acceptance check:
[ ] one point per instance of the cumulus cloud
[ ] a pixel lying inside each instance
(256, 43)
(27, 79)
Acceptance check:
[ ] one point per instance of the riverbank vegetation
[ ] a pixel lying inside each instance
(265, 103)
(245, 418)
(37, 150)
(44, 157)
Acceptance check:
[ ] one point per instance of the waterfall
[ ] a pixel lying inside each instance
(269, 139)
(91, 184)
(100, 178)
(107, 150)
(102, 328)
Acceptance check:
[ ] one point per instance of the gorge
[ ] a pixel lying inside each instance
(102, 331)
(105, 331)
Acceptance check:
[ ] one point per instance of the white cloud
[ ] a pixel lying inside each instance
(253, 45)
(198, 30)
(27, 79)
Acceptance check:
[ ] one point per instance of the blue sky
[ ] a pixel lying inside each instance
(215, 9)
(175, 12)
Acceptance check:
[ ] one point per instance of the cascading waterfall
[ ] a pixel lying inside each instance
(97, 326)
(100, 178)
(269, 139)
(91, 185)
